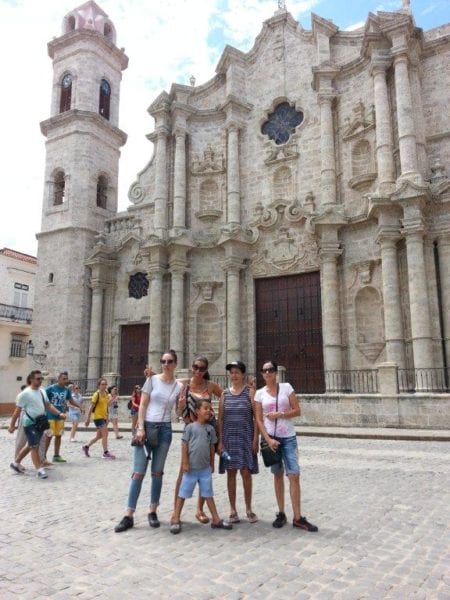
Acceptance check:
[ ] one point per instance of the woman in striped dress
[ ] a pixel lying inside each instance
(238, 436)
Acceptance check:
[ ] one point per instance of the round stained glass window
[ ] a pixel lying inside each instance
(138, 286)
(281, 123)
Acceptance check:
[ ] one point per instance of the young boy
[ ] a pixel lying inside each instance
(197, 457)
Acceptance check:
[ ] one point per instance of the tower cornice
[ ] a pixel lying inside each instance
(68, 39)
(75, 115)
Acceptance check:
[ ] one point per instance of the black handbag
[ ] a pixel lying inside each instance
(40, 422)
(271, 457)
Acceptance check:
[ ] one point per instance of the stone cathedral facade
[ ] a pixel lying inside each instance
(296, 206)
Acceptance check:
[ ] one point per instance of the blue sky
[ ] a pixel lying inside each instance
(166, 40)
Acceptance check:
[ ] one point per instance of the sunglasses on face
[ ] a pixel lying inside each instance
(38, 378)
(198, 368)
(268, 370)
(167, 361)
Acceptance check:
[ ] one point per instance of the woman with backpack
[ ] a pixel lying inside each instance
(99, 410)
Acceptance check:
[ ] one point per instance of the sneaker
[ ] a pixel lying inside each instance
(280, 520)
(108, 455)
(86, 451)
(59, 459)
(42, 474)
(302, 523)
(73, 440)
(153, 520)
(125, 523)
(17, 468)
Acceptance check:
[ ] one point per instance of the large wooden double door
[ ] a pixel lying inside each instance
(289, 328)
(133, 356)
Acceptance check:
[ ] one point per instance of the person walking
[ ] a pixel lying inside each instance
(135, 401)
(35, 404)
(75, 413)
(159, 395)
(197, 454)
(99, 410)
(276, 404)
(113, 410)
(238, 436)
(59, 395)
(198, 387)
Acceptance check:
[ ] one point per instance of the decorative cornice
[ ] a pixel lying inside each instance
(76, 116)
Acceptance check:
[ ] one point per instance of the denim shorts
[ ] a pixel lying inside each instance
(33, 436)
(289, 453)
(99, 423)
(204, 479)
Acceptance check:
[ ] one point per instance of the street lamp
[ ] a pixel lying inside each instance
(40, 358)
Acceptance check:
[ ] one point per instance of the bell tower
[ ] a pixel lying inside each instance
(81, 175)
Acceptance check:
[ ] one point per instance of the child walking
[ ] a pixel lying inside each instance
(197, 459)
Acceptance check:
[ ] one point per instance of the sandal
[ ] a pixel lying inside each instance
(252, 518)
(201, 517)
(221, 525)
(234, 518)
(175, 528)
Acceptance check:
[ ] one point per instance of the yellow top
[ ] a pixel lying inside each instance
(100, 401)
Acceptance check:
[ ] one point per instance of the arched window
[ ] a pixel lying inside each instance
(105, 97)
(59, 188)
(66, 93)
(282, 184)
(71, 23)
(107, 31)
(102, 191)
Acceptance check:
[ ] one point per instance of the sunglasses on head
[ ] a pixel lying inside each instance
(167, 361)
(38, 378)
(200, 368)
(268, 370)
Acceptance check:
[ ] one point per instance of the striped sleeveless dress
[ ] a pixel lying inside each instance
(238, 431)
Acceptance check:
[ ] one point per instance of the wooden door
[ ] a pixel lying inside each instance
(289, 328)
(133, 356)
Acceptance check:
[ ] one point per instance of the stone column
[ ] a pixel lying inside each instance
(405, 115)
(416, 89)
(444, 274)
(418, 301)
(96, 331)
(179, 184)
(393, 323)
(233, 180)
(177, 270)
(331, 318)
(383, 131)
(155, 333)
(161, 189)
(232, 268)
(327, 152)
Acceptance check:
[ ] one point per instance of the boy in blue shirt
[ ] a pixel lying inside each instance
(58, 395)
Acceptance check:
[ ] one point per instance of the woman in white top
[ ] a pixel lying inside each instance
(75, 412)
(275, 406)
(159, 395)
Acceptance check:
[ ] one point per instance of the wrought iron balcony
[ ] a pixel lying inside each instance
(16, 313)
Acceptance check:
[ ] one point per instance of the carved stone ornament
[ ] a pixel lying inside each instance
(270, 216)
(371, 350)
(283, 153)
(212, 162)
(361, 122)
(440, 183)
(291, 252)
(207, 288)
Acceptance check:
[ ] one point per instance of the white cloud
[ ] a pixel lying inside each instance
(355, 26)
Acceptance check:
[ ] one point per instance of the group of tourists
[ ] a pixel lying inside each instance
(244, 414)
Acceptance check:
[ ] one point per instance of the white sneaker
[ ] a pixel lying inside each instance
(42, 474)
(73, 440)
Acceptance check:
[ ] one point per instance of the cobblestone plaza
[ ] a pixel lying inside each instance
(382, 508)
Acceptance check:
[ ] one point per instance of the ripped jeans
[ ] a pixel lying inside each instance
(157, 458)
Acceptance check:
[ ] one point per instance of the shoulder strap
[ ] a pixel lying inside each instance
(276, 410)
(96, 402)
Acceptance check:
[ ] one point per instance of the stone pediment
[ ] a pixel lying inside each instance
(331, 216)
(162, 102)
(410, 190)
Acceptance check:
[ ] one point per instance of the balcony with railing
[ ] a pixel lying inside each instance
(16, 313)
(424, 380)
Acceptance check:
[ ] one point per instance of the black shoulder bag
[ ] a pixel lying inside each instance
(271, 457)
(40, 422)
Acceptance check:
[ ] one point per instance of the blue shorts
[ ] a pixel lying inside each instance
(289, 453)
(204, 479)
(33, 436)
(99, 423)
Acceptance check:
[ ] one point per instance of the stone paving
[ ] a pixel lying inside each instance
(382, 508)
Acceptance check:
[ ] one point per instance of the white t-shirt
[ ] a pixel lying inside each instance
(31, 401)
(162, 398)
(285, 427)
